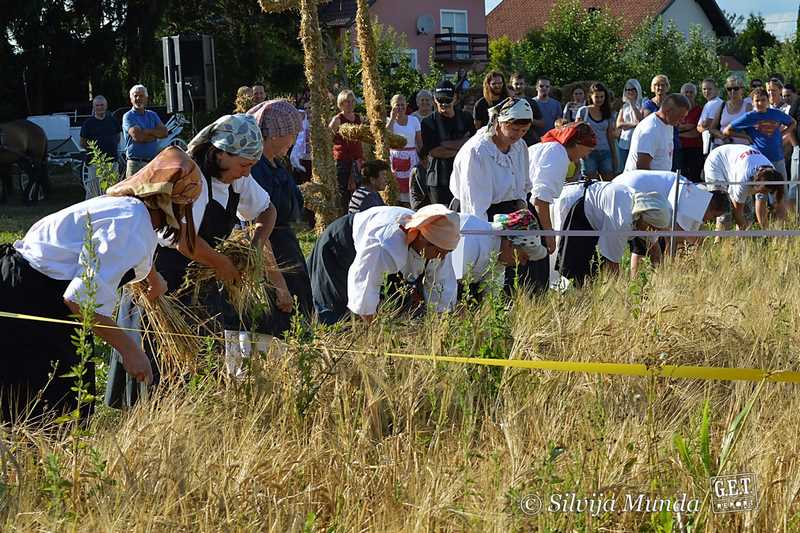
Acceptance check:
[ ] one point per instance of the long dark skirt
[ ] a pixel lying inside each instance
(34, 355)
(575, 260)
(289, 257)
(329, 263)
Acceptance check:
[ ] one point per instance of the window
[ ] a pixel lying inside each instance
(411, 54)
(455, 21)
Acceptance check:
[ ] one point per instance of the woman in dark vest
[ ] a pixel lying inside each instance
(226, 151)
(44, 274)
(347, 154)
(280, 122)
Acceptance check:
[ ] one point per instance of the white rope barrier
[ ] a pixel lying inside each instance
(637, 233)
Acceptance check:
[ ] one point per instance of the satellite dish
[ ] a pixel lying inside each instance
(425, 24)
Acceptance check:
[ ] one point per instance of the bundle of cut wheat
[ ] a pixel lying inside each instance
(246, 295)
(173, 330)
(362, 132)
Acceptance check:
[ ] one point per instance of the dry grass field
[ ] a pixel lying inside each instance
(321, 440)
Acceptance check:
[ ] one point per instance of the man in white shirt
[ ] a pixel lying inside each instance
(652, 143)
(608, 207)
(733, 167)
(710, 109)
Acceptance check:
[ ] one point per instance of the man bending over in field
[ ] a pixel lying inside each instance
(735, 167)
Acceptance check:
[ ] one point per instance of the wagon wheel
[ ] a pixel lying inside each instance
(31, 189)
(180, 143)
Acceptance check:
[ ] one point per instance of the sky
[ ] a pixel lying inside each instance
(779, 15)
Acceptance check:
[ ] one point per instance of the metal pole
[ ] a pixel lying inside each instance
(675, 211)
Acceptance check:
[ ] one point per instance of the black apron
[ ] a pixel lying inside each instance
(30, 349)
(217, 225)
(535, 275)
(576, 253)
(328, 264)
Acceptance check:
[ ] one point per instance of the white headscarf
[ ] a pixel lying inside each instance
(636, 85)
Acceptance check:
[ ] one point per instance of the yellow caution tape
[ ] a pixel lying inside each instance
(614, 369)
(618, 369)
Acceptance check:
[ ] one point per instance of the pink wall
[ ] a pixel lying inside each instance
(402, 16)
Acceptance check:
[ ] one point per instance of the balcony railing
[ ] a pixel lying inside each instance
(461, 47)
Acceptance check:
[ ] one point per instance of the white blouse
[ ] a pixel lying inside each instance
(253, 199)
(472, 259)
(549, 165)
(381, 249)
(123, 237)
(483, 175)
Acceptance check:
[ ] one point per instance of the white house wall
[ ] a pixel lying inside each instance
(687, 13)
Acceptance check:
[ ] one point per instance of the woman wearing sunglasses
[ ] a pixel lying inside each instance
(733, 108)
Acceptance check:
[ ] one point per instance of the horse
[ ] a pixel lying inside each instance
(24, 143)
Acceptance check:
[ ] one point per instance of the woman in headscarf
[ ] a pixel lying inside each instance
(225, 152)
(490, 173)
(550, 163)
(628, 117)
(355, 252)
(47, 274)
(280, 122)
(608, 207)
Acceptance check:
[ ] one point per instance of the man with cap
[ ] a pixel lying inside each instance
(480, 259)
(608, 207)
(695, 206)
(444, 132)
(354, 253)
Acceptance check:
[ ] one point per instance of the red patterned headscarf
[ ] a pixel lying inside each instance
(574, 133)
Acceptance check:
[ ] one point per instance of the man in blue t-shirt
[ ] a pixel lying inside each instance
(103, 129)
(550, 107)
(766, 128)
(141, 129)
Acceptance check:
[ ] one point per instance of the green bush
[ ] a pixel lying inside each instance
(576, 44)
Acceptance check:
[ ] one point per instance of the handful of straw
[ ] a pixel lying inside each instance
(362, 133)
(175, 331)
(246, 295)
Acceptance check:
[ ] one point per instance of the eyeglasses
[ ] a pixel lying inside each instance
(731, 89)
(444, 100)
(631, 90)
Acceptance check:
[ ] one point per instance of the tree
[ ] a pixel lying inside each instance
(576, 44)
(662, 49)
(783, 58)
(753, 39)
(395, 72)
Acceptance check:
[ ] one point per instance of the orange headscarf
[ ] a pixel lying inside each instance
(436, 223)
(172, 177)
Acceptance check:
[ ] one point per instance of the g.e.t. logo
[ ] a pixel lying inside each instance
(734, 493)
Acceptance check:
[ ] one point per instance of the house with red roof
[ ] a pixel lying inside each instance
(515, 18)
